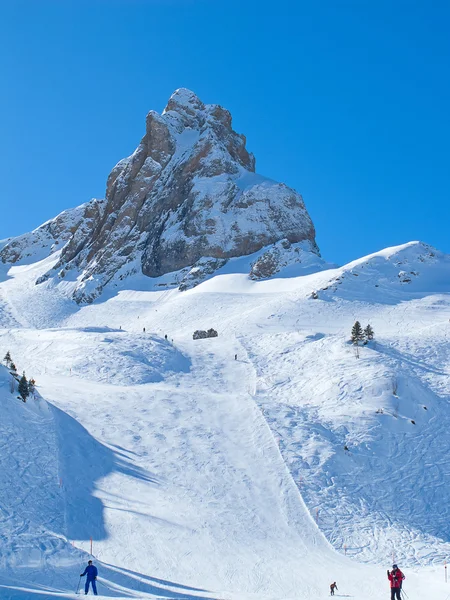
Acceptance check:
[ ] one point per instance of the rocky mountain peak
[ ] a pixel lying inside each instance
(187, 196)
(184, 101)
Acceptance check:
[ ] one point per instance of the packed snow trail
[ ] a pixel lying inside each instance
(186, 475)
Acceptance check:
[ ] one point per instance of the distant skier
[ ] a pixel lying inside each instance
(235, 357)
(143, 329)
(165, 337)
(396, 578)
(333, 587)
(91, 572)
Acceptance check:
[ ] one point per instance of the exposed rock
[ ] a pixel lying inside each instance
(189, 191)
(199, 272)
(200, 334)
(283, 254)
(73, 224)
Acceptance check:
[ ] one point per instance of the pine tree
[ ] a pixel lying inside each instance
(368, 333)
(357, 333)
(31, 386)
(23, 387)
(7, 359)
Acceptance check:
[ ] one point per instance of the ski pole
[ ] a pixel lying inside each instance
(402, 591)
(78, 586)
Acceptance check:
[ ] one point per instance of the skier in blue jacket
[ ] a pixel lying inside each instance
(91, 572)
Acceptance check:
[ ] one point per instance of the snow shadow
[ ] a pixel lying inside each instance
(412, 360)
(113, 582)
(82, 461)
(118, 581)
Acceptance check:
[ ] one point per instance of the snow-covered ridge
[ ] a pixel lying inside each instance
(51, 236)
(414, 267)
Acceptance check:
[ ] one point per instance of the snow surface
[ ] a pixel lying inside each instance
(198, 475)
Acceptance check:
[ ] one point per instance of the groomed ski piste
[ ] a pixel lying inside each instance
(200, 476)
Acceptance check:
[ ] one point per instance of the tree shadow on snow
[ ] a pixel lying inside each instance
(409, 359)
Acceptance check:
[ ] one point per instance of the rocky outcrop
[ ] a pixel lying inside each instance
(73, 224)
(201, 270)
(200, 334)
(281, 255)
(189, 192)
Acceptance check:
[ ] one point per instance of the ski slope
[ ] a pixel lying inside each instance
(197, 475)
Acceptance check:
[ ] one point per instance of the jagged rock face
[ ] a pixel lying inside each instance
(71, 225)
(188, 191)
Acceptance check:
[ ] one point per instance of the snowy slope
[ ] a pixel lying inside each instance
(200, 475)
(31, 506)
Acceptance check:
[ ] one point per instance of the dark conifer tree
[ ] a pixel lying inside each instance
(357, 333)
(23, 387)
(31, 386)
(7, 359)
(368, 333)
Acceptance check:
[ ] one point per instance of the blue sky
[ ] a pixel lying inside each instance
(346, 101)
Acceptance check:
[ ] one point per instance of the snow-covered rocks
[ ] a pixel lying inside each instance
(278, 256)
(188, 192)
(52, 235)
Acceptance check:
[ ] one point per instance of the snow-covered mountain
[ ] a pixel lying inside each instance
(264, 463)
(188, 199)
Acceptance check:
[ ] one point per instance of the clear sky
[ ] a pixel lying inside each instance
(346, 101)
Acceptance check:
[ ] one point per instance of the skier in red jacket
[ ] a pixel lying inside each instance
(396, 578)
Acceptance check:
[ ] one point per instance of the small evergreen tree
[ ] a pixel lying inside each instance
(13, 367)
(23, 387)
(31, 386)
(357, 333)
(7, 359)
(368, 333)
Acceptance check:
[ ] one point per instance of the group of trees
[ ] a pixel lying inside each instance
(361, 335)
(26, 387)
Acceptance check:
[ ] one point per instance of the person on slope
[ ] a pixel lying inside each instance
(333, 587)
(91, 572)
(396, 578)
